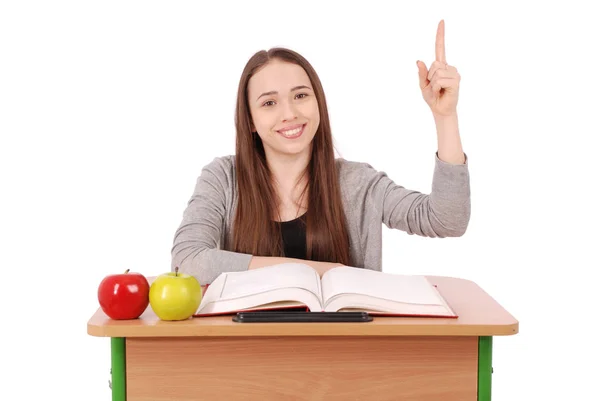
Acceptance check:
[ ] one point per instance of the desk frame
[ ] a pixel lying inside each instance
(119, 369)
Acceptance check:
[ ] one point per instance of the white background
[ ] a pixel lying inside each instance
(109, 110)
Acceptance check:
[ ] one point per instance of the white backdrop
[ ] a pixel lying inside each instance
(109, 110)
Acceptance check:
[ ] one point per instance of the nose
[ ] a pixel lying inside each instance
(288, 111)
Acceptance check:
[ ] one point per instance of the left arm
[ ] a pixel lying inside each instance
(446, 210)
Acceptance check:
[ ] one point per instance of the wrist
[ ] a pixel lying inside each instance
(449, 143)
(445, 118)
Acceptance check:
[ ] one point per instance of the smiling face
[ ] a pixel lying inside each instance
(284, 109)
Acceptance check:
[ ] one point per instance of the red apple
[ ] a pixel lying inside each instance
(124, 296)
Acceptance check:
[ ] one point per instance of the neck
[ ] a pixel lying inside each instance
(289, 182)
(288, 172)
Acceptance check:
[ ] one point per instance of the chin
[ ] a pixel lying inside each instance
(291, 150)
(294, 152)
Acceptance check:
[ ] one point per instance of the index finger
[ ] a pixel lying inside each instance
(440, 44)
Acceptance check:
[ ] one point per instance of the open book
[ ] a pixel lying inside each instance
(293, 285)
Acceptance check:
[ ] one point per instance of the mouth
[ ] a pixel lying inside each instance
(293, 133)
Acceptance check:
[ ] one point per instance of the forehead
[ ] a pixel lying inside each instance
(277, 76)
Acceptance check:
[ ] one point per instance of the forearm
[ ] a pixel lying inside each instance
(206, 264)
(263, 261)
(449, 145)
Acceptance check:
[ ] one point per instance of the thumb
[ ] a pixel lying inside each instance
(422, 74)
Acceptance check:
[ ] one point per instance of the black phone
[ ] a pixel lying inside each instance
(300, 316)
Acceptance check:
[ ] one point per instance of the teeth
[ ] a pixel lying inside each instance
(291, 132)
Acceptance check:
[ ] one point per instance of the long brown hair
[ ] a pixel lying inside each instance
(254, 229)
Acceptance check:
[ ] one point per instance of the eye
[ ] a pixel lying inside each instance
(272, 102)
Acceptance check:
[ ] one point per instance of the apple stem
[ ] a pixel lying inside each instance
(176, 270)
(126, 271)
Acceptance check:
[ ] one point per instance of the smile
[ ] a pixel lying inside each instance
(293, 133)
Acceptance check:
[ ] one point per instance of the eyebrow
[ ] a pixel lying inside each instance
(275, 92)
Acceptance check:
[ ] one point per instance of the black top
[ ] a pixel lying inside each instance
(293, 233)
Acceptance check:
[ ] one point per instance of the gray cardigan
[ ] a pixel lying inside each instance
(369, 198)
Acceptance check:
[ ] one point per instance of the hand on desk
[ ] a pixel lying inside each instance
(263, 261)
(323, 267)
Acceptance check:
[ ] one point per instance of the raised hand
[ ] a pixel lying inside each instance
(439, 85)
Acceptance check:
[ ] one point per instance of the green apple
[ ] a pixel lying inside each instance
(175, 296)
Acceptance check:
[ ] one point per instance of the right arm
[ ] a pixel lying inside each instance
(196, 244)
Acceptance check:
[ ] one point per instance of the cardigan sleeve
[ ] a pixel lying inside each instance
(445, 212)
(195, 247)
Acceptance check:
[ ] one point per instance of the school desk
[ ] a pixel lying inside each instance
(388, 359)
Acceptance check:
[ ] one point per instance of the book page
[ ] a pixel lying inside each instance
(265, 279)
(275, 299)
(382, 307)
(409, 289)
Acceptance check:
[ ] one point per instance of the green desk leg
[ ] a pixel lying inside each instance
(484, 376)
(117, 350)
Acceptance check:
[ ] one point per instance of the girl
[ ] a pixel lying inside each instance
(283, 197)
